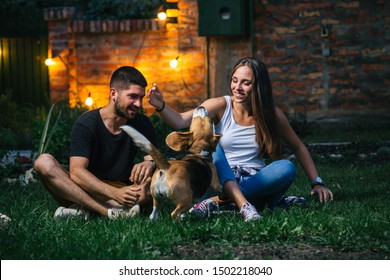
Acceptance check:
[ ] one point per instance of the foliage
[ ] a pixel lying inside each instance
(15, 123)
(91, 9)
(162, 130)
(56, 143)
(7, 140)
(121, 9)
(298, 122)
(34, 5)
(45, 141)
(12, 170)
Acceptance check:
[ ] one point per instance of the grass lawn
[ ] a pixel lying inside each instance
(356, 225)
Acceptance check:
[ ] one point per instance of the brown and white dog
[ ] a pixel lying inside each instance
(181, 181)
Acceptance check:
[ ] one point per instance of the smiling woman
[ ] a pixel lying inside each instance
(253, 130)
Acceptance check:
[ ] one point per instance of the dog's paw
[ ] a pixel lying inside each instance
(182, 216)
(154, 215)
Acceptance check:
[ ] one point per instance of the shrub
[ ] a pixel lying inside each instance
(91, 9)
(119, 9)
(15, 123)
(7, 140)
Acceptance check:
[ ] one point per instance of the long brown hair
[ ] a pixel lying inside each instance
(263, 108)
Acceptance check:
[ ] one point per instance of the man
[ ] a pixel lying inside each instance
(102, 175)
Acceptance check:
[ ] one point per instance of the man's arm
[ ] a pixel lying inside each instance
(97, 188)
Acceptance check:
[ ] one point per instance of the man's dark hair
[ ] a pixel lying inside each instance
(125, 76)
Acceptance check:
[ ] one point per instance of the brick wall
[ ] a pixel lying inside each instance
(354, 75)
(322, 56)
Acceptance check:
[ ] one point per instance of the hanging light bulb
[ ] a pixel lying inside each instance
(49, 61)
(174, 62)
(89, 100)
(169, 11)
(161, 14)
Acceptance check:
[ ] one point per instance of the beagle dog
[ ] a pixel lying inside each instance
(181, 181)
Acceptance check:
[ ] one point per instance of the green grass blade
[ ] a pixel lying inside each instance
(52, 132)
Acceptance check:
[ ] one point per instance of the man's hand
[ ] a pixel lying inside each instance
(128, 196)
(142, 171)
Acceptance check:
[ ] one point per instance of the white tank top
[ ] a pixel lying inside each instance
(238, 142)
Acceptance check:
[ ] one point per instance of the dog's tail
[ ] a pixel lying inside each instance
(144, 144)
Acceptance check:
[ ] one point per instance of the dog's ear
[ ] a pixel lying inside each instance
(215, 141)
(178, 141)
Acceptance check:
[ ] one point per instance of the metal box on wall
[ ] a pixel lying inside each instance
(224, 17)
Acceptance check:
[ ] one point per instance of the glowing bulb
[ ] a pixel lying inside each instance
(49, 61)
(174, 62)
(89, 100)
(162, 16)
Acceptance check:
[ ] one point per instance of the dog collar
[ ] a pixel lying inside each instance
(204, 153)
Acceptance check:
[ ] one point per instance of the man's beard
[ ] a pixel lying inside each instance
(121, 113)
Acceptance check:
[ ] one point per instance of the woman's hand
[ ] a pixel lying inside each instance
(324, 194)
(155, 97)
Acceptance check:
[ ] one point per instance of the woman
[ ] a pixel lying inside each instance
(253, 130)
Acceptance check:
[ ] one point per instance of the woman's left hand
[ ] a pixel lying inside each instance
(324, 193)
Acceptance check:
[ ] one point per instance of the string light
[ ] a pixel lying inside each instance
(89, 100)
(162, 15)
(169, 11)
(174, 62)
(49, 61)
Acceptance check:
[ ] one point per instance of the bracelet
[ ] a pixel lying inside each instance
(162, 108)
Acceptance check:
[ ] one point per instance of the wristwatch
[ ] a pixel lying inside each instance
(316, 181)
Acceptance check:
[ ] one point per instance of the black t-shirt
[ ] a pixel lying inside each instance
(111, 157)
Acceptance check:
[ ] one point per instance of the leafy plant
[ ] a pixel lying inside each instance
(44, 142)
(55, 139)
(15, 123)
(119, 9)
(7, 140)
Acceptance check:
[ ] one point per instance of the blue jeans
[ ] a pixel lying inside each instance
(265, 187)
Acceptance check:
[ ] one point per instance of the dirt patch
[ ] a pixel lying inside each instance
(296, 252)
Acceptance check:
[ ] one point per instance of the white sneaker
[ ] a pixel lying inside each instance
(249, 212)
(73, 210)
(121, 212)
